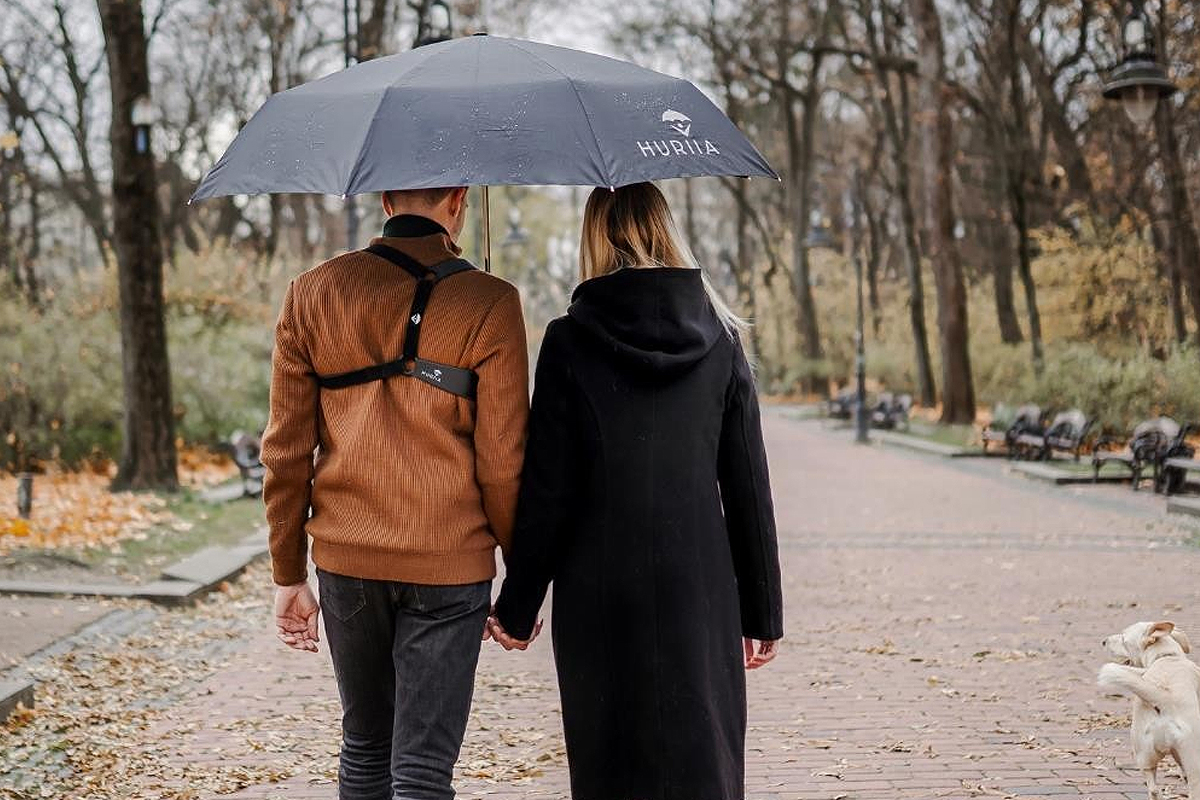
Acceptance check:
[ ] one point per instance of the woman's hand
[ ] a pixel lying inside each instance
(759, 653)
(497, 632)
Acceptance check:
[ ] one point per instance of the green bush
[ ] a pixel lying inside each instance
(1116, 391)
(60, 365)
(60, 392)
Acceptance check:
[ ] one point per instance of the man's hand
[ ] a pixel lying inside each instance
(496, 631)
(296, 612)
(759, 653)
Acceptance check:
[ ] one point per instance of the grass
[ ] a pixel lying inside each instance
(199, 524)
(954, 435)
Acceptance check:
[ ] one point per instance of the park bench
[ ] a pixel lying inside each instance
(841, 406)
(246, 450)
(1008, 423)
(891, 411)
(1179, 459)
(1180, 467)
(1065, 434)
(1146, 446)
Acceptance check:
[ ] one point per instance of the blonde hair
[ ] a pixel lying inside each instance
(632, 226)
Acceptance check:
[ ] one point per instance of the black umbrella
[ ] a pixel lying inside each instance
(480, 111)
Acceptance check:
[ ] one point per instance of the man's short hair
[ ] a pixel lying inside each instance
(421, 198)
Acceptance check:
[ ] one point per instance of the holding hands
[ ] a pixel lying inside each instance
(492, 629)
(758, 652)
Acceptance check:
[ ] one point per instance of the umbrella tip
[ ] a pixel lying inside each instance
(612, 189)
(343, 195)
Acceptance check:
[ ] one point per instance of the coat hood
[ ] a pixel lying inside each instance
(658, 318)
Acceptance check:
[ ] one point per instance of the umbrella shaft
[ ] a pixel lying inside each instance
(487, 231)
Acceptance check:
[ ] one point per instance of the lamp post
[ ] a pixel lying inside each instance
(1139, 81)
(854, 211)
(142, 115)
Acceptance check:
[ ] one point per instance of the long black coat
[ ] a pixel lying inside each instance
(644, 429)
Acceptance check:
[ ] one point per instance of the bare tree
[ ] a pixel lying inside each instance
(937, 156)
(890, 73)
(148, 459)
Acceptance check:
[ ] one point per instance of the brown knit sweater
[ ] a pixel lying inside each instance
(409, 482)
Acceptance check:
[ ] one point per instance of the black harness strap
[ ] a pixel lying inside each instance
(456, 380)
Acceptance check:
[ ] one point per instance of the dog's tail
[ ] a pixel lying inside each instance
(1130, 681)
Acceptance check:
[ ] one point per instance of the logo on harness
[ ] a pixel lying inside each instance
(458, 381)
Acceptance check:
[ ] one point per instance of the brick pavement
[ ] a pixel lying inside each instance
(31, 623)
(943, 634)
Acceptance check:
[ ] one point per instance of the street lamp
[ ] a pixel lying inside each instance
(1139, 81)
(517, 236)
(819, 234)
(9, 142)
(142, 115)
(437, 26)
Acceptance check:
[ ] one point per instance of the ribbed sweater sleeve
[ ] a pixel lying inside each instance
(287, 449)
(749, 512)
(501, 360)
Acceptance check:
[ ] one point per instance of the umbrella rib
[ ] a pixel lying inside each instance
(375, 115)
(582, 106)
(362, 144)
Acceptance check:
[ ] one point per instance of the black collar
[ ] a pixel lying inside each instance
(408, 225)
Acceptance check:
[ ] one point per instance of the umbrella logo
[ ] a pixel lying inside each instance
(680, 123)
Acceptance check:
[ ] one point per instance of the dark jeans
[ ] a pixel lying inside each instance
(404, 655)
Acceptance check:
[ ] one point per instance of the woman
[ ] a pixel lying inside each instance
(644, 425)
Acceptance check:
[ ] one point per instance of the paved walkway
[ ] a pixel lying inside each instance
(943, 634)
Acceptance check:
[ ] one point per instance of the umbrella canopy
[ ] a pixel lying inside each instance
(479, 111)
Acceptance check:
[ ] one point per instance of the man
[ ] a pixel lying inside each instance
(413, 485)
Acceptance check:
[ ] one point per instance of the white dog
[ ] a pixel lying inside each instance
(1165, 685)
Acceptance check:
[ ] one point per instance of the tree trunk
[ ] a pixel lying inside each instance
(370, 30)
(801, 206)
(1020, 212)
(875, 236)
(1020, 156)
(1164, 248)
(800, 147)
(8, 253)
(886, 107)
(912, 257)
(1184, 242)
(745, 275)
(1000, 250)
(742, 267)
(689, 220)
(300, 212)
(148, 458)
(1002, 286)
(937, 158)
